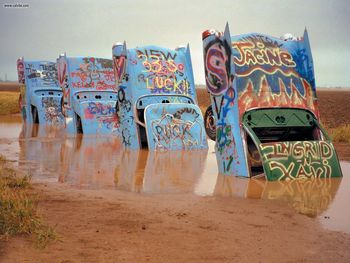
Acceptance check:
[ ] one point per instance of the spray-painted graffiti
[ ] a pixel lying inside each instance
(217, 66)
(52, 108)
(255, 54)
(175, 126)
(161, 73)
(301, 159)
(119, 63)
(104, 113)
(272, 73)
(20, 71)
(94, 73)
(126, 118)
(219, 81)
(41, 74)
(100, 109)
(63, 82)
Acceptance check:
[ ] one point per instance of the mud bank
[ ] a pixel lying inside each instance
(116, 226)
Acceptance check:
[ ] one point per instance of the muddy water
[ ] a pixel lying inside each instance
(101, 163)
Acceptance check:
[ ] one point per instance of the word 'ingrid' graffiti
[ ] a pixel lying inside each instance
(161, 73)
(290, 160)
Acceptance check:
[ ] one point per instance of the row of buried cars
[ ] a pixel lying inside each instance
(263, 116)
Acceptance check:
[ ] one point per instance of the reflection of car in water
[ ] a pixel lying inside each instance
(39, 150)
(160, 171)
(308, 197)
(40, 95)
(264, 114)
(157, 103)
(89, 98)
(89, 161)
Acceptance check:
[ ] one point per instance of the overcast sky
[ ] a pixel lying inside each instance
(89, 28)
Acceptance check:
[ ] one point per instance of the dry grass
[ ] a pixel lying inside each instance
(18, 208)
(341, 134)
(9, 102)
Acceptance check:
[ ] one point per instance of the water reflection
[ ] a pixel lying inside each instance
(89, 161)
(101, 162)
(308, 197)
(160, 172)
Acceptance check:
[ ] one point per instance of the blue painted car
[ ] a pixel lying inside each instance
(264, 107)
(157, 103)
(40, 95)
(89, 98)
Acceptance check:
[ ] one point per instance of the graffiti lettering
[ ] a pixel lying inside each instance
(43, 74)
(96, 108)
(94, 73)
(303, 159)
(161, 73)
(251, 53)
(299, 150)
(152, 54)
(169, 132)
(190, 111)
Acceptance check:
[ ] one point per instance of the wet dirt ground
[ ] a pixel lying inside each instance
(175, 190)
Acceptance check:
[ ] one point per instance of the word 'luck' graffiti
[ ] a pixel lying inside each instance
(161, 73)
(170, 132)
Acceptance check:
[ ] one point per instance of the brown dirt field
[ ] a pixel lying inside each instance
(9, 86)
(117, 226)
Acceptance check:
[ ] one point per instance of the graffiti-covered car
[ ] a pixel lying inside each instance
(40, 95)
(264, 106)
(157, 103)
(89, 99)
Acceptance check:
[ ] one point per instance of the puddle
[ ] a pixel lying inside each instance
(90, 162)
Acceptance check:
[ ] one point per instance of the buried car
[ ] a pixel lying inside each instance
(264, 110)
(157, 103)
(40, 95)
(89, 99)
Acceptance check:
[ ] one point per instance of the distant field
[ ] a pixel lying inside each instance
(9, 86)
(9, 102)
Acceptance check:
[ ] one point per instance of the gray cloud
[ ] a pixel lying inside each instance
(48, 28)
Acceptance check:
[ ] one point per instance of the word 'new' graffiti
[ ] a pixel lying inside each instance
(161, 73)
